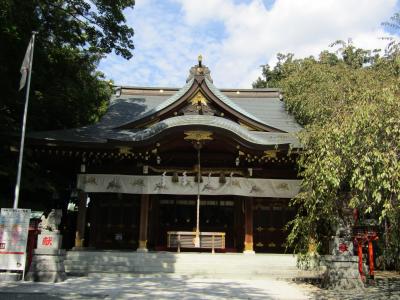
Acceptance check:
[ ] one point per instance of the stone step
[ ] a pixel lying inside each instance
(181, 267)
(147, 270)
(174, 268)
(287, 261)
(180, 260)
(300, 275)
(152, 255)
(202, 264)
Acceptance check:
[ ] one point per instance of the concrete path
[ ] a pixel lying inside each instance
(154, 287)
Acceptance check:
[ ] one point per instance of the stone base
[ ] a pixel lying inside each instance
(142, 250)
(47, 266)
(83, 248)
(342, 272)
(46, 276)
(249, 252)
(341, 246)
(49, 240)
(8, 276)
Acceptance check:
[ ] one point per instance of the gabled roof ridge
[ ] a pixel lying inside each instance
(212, 89)
(175, 97)
(172, 99)
(232, 104)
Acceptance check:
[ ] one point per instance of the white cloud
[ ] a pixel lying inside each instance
(168, 39)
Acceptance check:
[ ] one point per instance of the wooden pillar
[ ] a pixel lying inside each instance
(238, 223)
(154, 221)
(81, 220)
(144, 220)
(248, 226)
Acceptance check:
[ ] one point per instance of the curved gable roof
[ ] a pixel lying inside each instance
(225, 99)
(140, 114)
(191, 88)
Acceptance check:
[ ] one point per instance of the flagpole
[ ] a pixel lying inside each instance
(21, 149)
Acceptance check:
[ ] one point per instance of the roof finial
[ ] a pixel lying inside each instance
(199, 70)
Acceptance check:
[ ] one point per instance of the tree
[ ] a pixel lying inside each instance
(67, 90)
(393, 25)
(73, 35)
(348, 103)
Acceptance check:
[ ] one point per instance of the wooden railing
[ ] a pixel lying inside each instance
(185, 239)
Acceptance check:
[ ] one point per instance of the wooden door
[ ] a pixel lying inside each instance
(114, 221)
(269, 220)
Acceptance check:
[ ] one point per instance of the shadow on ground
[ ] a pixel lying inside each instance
(383, 288)
(153, 287)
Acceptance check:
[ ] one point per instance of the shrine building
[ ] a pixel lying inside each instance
(188, 169)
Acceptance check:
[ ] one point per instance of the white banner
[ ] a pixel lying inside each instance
(14, 226)
(238, 186)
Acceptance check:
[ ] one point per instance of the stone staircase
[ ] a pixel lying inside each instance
(227, 265)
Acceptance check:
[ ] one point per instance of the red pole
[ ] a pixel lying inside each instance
(360, 262)
(371, 258)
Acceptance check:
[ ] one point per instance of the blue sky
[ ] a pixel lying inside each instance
(235, 37)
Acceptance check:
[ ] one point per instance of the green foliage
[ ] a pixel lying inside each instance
(394, 26)
(66, 90)
(73, 35)
(348, 103)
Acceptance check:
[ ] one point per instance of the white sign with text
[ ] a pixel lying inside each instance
(14, 226)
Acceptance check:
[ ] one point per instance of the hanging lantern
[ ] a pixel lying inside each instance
(145, 169)
(237, 161)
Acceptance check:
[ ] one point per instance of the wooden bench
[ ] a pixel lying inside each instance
(185, 239)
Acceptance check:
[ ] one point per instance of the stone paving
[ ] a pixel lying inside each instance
(188, 287)
(153, 287)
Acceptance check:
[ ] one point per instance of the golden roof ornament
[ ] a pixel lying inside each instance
(198, 135)
(199, 70)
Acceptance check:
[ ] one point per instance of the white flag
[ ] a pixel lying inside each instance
(26, 65)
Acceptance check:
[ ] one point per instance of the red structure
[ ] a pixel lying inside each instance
(365, 236)
(32, 239)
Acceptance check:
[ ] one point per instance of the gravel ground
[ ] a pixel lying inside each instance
(187, 287)
(386, 286)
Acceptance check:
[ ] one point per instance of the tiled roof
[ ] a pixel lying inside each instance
(263, 106)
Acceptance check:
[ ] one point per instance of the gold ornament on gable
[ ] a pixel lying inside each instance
(198, 135)
(199, 99)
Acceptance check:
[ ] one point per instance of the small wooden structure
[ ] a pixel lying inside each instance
(185, 239)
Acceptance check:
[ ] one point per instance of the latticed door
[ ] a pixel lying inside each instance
(270, 217)
(114, 222)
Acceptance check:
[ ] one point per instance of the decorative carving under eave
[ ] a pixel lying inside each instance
(199, 105)
(198, 110)
(198, 135)
(270, 154)
(199, 99)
